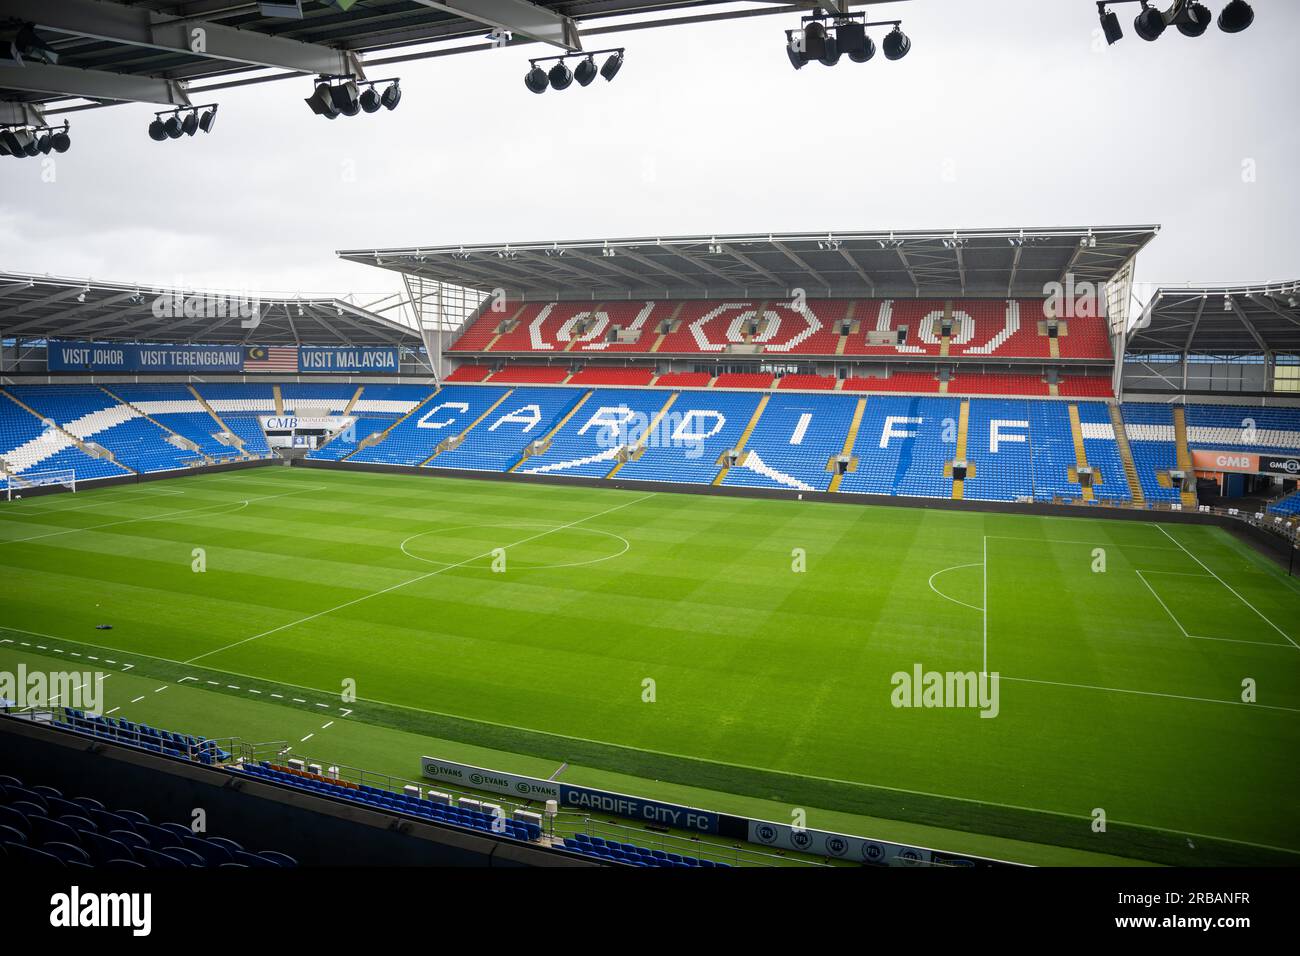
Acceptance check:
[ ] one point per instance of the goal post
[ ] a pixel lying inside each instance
(14, 485)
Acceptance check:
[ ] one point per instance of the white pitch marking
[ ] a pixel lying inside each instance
(1230, 588)
(1199, 637)
(955, 567)
(414, 580)
(138, 699)
(1152, 693)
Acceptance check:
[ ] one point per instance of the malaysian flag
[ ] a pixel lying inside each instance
(277, 358)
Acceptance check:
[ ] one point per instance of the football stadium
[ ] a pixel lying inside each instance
(928, 548)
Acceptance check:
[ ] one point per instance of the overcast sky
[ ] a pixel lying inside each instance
(1005, 113)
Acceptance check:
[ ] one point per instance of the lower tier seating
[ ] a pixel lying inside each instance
(39, 826)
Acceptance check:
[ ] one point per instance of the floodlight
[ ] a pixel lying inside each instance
(561, 76)
(370, 100)
(60, 140)
(611, 66)
(896, 44)
(392, 96)
(321, 103)
(1110, 26)
(208, 120)
(156, 130)
(1150, 23)
(15, 141)
(43, 143)
(190, 125)
(797, 57)
(585, 72)
(173, 127)
(1193, 19)
(346, 98)
(1236, 16)
(536, 79)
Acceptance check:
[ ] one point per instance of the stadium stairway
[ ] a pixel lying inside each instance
(1184, 454)
(1126, 456)
(453, 442)
(846, 450)
(739, 451)
(379, 436)
(181, 441)
(963, 433)
(1080, 453)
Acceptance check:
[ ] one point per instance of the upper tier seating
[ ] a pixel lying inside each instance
(744, 380)
(897, 382)
(613, 376)
(807, 382)
(684, 380)
(529, 375)
(990, 383)
(1004, 328)
(1266, 430)
(1084, 386)
(468, 373)
(41, 827)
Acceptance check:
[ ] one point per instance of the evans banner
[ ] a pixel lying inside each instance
(369, 360)
(494, 781)
(61, 356)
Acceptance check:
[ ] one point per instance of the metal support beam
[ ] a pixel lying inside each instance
(92, 84)
(138, 26)
(519, 17)
(21, 114)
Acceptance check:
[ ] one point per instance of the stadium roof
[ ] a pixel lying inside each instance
(1220, 320)
(38, 307)
(978, 262)
(111, 51)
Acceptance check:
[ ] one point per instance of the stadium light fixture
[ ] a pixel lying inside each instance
(175, 125)
(1149, 23)
(1191, 17)
(392, 95)
(20, 141)
(1236, 16)
(827, 37)
(585, 72)
(1110, 25)
(321, 103)
(561, 77)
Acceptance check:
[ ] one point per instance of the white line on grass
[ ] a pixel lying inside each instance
(955, 567)
(1152, 693)
(414, 580)
(1230, 588)
(1186, 633)
(985, 601)
(168, 514)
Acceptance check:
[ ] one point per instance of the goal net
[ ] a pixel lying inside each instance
(15, 484)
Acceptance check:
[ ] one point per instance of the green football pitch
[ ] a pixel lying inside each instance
(734, 653)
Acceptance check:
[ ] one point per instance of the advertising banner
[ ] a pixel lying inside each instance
(638, 808)
(368, 360)
(1247, 463)
(469, 777)
(79, 356)
(837, 845)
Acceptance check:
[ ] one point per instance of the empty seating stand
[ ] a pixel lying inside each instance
(39, 826)
(393, 802)
(627, 854)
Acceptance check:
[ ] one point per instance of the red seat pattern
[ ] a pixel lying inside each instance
(806, 381)
(613, 376)
(469, 373)
(898, 382)
(744, 380)
(993, 327)
(996, 383)
(1085, 386)
(684, 380)
(530, 375)
(1086, 337)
